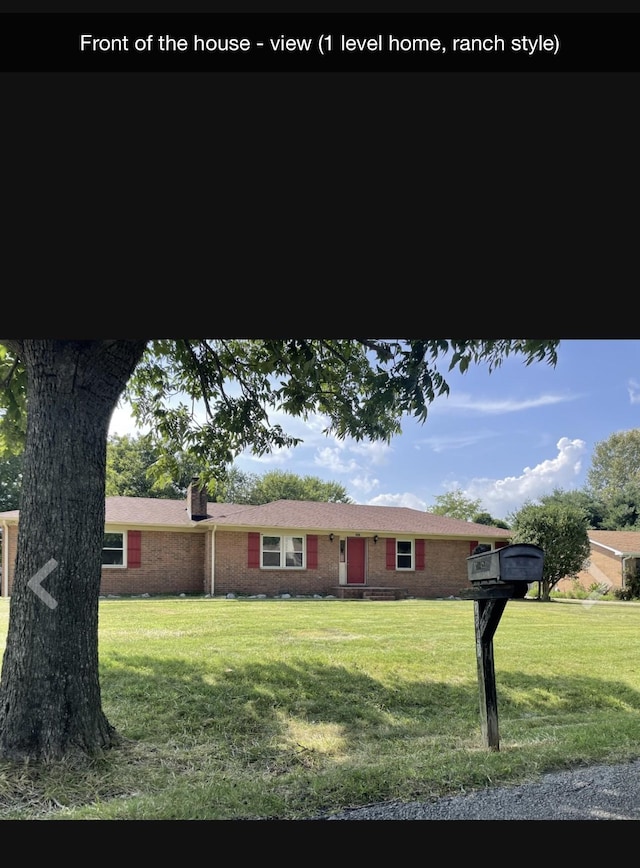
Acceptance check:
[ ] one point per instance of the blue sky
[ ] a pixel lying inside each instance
(502, 437)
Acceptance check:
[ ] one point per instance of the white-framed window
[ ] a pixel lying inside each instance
(405, 554)
(114, 549)
(282, 552)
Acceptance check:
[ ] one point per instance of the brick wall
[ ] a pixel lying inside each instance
(604, 567)
(10, 541)
(444, 575)
(179, 562)
(234, 576)
(170, 563)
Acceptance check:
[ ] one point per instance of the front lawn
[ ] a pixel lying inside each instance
(285, 709)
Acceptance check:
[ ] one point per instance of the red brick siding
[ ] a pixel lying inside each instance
(174, 563)
(444, 574)
(170, 563)
(10, 539)
(602, 561)
(233, 576)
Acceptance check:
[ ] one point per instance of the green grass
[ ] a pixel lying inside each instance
(246, 709)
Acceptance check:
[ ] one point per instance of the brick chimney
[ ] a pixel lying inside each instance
(196, 500)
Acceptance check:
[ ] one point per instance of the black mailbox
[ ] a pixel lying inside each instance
(519, 562)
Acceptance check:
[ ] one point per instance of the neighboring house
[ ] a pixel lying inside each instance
(154, 546)
(614, 554)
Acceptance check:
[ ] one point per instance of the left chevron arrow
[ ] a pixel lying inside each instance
(35, 583)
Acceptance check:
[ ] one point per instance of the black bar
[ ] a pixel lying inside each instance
(318, 42)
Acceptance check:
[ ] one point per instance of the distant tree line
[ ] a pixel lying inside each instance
(136, 467)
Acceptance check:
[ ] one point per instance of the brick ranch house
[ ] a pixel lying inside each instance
(154, 546)
(614, 554)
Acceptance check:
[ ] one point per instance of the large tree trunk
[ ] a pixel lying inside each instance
(50, 703)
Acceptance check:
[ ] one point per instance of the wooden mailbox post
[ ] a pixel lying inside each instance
(497, 577)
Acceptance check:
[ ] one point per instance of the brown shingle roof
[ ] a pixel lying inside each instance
(344, 517)
(294, 514)
(155, 511)
(626, 542)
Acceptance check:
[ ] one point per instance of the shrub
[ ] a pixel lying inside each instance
(631, 590)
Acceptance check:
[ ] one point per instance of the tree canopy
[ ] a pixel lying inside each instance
(581, 499)
(280, 485)
(561, 532)
(621, 509)
(613, 480)
(487, 518)
(213, 397)
(50, 704)
(615, 463)
(13, 402)
(10, 481)
(362, 387)
(455, 505)
(135, 468)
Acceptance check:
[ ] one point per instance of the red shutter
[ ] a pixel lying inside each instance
(391, 553)
(254, 550)
(472, 545)
(500, 544)
(312, 552)
(134, 546)
(419, 554)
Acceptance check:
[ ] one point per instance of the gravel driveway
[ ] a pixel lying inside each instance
(600, 792)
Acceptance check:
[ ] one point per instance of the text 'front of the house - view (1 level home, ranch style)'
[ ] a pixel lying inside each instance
(154, 546)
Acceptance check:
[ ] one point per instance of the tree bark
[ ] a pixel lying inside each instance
(50, 702)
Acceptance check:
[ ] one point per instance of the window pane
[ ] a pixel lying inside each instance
(271, 559)
(283, 551)
(294, 559)
(271, 551)
(295, 543)
(112, 556)
(113, 549)
(404, 549)
(293, 551)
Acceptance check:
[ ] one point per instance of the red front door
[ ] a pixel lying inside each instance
(355, 560)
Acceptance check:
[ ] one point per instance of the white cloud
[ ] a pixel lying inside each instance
(502, 496)
(339, 458)
(278, 457)
(634, 392)
(455, 441)
(333, 460)
(493, 407)
(365, 483)
(407, 500)
(375, 453)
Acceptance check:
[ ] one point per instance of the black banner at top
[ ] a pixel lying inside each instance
(317, 42)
